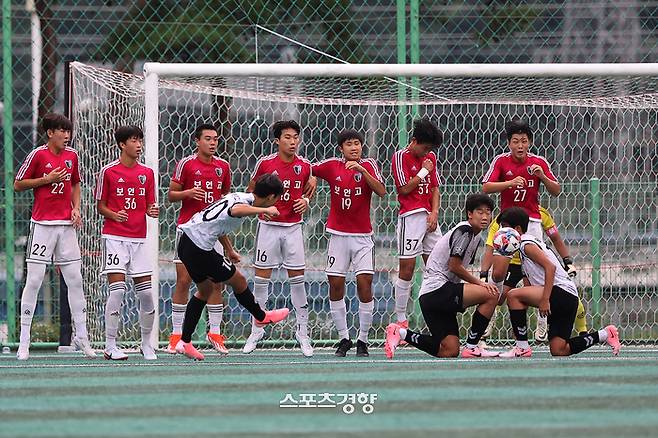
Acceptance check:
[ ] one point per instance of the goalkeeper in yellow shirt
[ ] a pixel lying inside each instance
(514, 274)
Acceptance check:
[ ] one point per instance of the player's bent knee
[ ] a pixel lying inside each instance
(238, 282)
(559, 347)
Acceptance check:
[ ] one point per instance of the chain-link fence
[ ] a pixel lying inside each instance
(121, 35)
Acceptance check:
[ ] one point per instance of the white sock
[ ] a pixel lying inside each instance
(603, 336)
(365, 319)
(35, 273)
(402, 292)
(72, 274)
(339, 315)
(298, 298)
(113, 312)
(261, 286)
(523, 344)
(146, 309)
(177, 316)
(215, 315)
(403, 333)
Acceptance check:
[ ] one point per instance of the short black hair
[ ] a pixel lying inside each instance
(123, 133)
(55, 121)
(513, 217)
(268, 184)
(477, 200)
(203, 127)
(349, 134)
(517, 126)
(278, 127)
(426, 132)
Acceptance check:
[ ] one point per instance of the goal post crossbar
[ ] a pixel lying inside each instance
(397, 70)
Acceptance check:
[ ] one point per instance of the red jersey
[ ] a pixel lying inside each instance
(404, 166)
(294, 176)
(214, 178)
(52, 202)
(349, 213)
(506, 168)
(126, 188)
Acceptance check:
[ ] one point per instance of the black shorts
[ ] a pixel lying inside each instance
(563, 313)
(514, 275)
(203, 265)
(440, 308)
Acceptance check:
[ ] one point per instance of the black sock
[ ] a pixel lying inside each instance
(479, 324)
(583, 342)
(427, 343)
(519, 321)
(246, 300)
(192, 315)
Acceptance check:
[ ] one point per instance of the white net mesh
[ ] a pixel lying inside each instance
(604, 128)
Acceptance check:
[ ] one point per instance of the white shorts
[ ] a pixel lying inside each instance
(278, 246)
(57, 244)
(536, 230)
(218, 247)
(128, 258)
(355, 251)
(413, 238)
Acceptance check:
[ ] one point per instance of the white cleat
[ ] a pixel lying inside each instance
(252, 341)
(305, 345)
(148, 352)
(23, 352)
(115, 354)
(541, 332)
(84, 346)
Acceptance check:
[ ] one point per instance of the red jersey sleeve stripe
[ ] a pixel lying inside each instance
(178, 173)
(258, 164)
(26, 164)
(398, 173)
(491, 168)
(375, 168)
(101, 180)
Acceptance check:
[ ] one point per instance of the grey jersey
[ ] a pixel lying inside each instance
(462, 242)
(535, 272)
(215, 220)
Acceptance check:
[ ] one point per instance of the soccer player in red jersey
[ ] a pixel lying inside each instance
(352, 180)
(417, 181)
(125, 195)
(51, 172)
(198, 181)
(279, 240)
(516, 175)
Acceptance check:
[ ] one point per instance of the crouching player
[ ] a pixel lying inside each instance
(552, 292)
(442, 294)
(206, 266)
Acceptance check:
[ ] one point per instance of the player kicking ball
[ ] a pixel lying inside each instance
(552, 292)
(443, 294)
(206, 266)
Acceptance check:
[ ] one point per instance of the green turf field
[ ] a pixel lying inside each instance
(592, 394)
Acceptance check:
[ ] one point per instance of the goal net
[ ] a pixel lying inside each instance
(597, 129)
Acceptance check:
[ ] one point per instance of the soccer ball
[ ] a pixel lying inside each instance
(507, 241)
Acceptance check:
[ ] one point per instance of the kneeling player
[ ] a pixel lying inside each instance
(442, 295)
(206, 266)
(552, 292)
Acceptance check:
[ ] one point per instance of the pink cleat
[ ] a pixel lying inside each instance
(188, 350)
(273, 316)
(392, 339)
(613, 339)
(478, 352)
(405, 325)
(517, 352)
